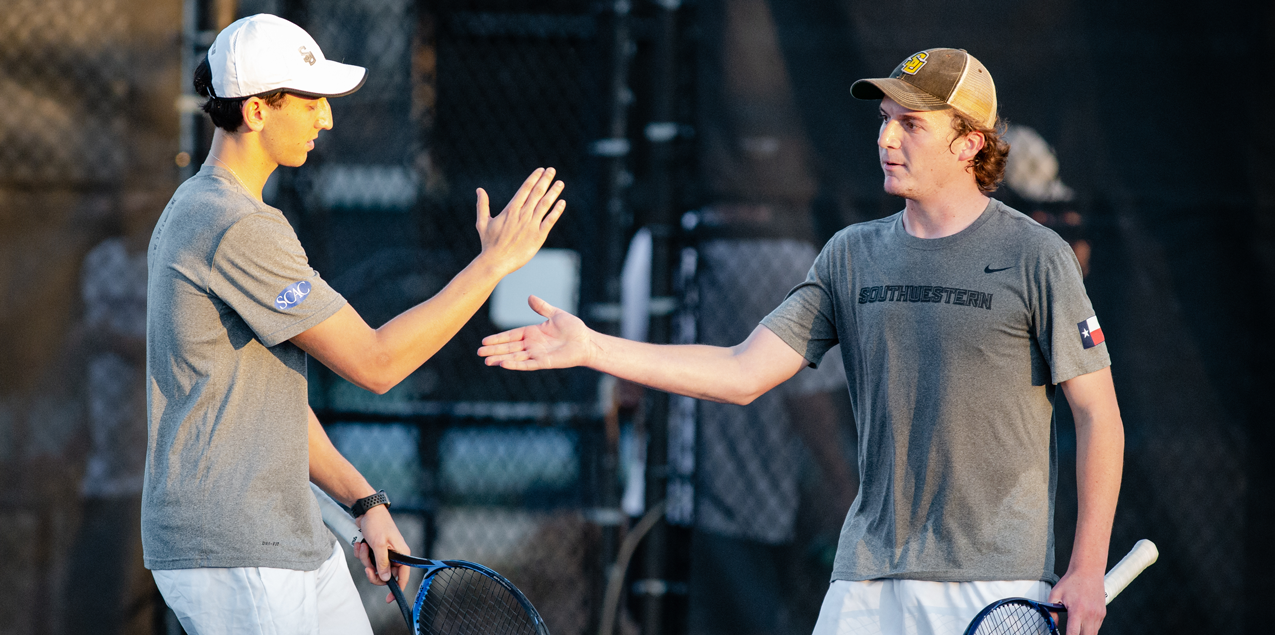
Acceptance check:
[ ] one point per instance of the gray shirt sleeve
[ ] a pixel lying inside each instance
(1062, 308)
(806, 320)
(261, 271)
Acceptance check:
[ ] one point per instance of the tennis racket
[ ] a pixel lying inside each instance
(456, 597)
(1020, 616)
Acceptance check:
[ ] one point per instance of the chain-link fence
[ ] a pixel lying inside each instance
(86, 147)
(55, 57)
(771, 480)
(512, 496)
(523, 471)
(483, 464)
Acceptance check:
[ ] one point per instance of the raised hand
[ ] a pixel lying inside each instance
(517, 233)
(561, 341)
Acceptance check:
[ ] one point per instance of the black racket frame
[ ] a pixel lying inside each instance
(1042, 608)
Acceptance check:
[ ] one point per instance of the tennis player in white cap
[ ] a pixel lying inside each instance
(230, 529)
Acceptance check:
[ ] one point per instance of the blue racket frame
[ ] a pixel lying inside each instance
(430, 567)
(342, 524)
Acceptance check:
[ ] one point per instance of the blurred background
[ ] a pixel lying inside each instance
(709, 147)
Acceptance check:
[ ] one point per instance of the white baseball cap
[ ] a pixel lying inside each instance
(265, 53)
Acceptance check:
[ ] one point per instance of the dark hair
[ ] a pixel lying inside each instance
(989, 163)
(226, 113)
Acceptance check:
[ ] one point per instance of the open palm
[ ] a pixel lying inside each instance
(561, 341)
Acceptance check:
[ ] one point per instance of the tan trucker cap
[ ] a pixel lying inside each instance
(935, 79)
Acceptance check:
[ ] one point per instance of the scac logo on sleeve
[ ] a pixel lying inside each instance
(292, 295)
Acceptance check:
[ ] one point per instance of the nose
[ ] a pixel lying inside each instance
(324, 121)
(888, 137)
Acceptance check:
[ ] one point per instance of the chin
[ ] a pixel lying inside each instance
(893, 187)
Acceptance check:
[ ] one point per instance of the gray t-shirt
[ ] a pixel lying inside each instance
(227, 461)
(952, 348)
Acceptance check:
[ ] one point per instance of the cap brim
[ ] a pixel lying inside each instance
(329, 79)
(905, 94)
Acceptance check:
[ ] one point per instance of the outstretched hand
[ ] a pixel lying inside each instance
(512, 237)
(561, 341)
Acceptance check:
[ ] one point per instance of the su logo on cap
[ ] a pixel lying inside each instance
(915, 63)
(307, 56)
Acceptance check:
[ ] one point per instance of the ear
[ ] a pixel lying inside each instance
(254, 116)
(970, 146)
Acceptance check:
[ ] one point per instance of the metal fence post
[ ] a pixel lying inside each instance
(663, 267)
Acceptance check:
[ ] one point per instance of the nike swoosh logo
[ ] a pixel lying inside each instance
(989, 269)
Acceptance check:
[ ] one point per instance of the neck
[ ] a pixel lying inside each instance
(943, 215)
(242, 155)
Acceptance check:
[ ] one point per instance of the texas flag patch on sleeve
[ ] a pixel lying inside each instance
(1090, 333)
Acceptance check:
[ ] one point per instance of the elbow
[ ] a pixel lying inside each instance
(379, 388)
(743, 395)
(376, 376)
(380, 383)
(372, 383)
(743, 387)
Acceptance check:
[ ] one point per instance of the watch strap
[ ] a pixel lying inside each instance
(361, 506)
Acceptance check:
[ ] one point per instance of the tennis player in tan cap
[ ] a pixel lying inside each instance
(958, 318)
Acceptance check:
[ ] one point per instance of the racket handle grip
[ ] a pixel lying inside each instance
(402, 604)
(336, 518)
(341, 524)
(1140, 557)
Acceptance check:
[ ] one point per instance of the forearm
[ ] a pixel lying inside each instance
(331, 471)
(336, 476)
(1099, 460)
(403, 344)
(713, 373)
(1099, 463)
(378, 359)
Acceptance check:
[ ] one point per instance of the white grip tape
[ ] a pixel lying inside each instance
(337, 519)
(1140, 557)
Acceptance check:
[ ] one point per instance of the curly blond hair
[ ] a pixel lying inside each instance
(989, 163)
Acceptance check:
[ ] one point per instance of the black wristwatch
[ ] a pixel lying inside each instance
(363, 504)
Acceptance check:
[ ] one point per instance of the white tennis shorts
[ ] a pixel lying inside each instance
(266, 601)
(914, 607)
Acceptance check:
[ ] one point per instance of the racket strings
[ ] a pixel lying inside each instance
(463, 602)
(1013, 618)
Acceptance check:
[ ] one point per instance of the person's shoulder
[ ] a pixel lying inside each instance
(1028, 233)
(215, 204)
(865, 230)
(207, 210)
